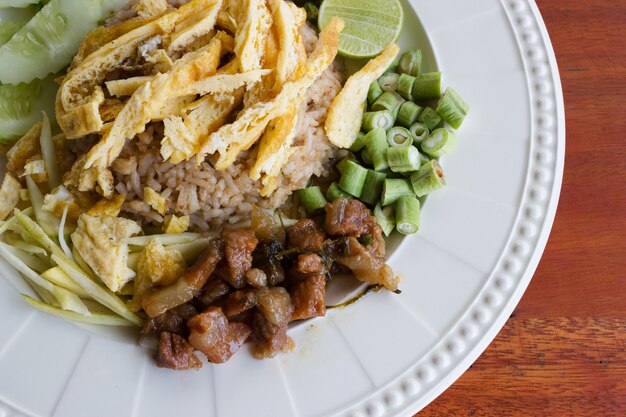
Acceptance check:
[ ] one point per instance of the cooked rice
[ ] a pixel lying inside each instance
(213, 198)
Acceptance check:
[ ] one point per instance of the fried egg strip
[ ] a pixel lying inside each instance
(126, 87)
(345, 114)
(194, 28)
(274, 146)
(146, 102)
(240, 135)
(254, 24)
(150, 8)
(183, 135)
(224, 83)
(77, 85)
(291, 47)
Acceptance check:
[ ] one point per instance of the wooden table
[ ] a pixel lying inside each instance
(563, 351)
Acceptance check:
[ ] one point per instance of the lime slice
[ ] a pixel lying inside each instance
(371, 25)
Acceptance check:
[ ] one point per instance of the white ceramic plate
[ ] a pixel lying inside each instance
(388, 354)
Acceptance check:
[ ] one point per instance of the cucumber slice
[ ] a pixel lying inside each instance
(17, 3)
(12, 20)
(46, 44)
(21, 106)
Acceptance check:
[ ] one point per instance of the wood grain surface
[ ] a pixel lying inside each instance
(562, 353)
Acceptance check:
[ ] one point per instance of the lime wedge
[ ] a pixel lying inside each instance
(371, 25)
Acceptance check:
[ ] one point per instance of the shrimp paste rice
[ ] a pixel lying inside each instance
(214, 197)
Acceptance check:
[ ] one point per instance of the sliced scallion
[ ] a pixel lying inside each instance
(372, 187)
(374, 92)
(429, 178)
(408, 114)
(386, 217)
(399, 136)
(440, 142)
(394, 188)
(389, 81)
(353, 178)
(377, 119)
(403, 159)
(312, 198)
(419, 131)
(390, 101)
(407, 215)
(410, 62)
(376, 143)
(452, 108)
(430, 118)
(427, 86)
(358, 143)
(334, 192)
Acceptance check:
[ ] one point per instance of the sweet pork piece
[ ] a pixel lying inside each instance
(239, 302)
(270, 321)
(308, 297)
(188, 286)
(172, 321)
(175, 353)
(348, 218)
(306, 235)
(212, 334)
(238, 247)
(309, 264)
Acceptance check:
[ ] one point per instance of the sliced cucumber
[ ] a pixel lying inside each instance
(48, 41)
(12, 20)
(21, 106)
(17, 3)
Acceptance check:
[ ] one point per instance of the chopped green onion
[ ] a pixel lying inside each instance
(399, 136)
(427, 86)
(386, 217)
(374, 92)
(390, 101)
(408, 114)
(377, 119)
(439, 143)
(353, 178)
(359, 143)
(419, 131)
(407, 215)
(410, 62)
(405, 86)
(452, 108)
(312, 198)
(430, 118)
(389, 81)
(394, 188)
(429, 178)
(376, 143)
(334, 192)
(403, 159)
(372, 187)
(312, 12)
(366, 157)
